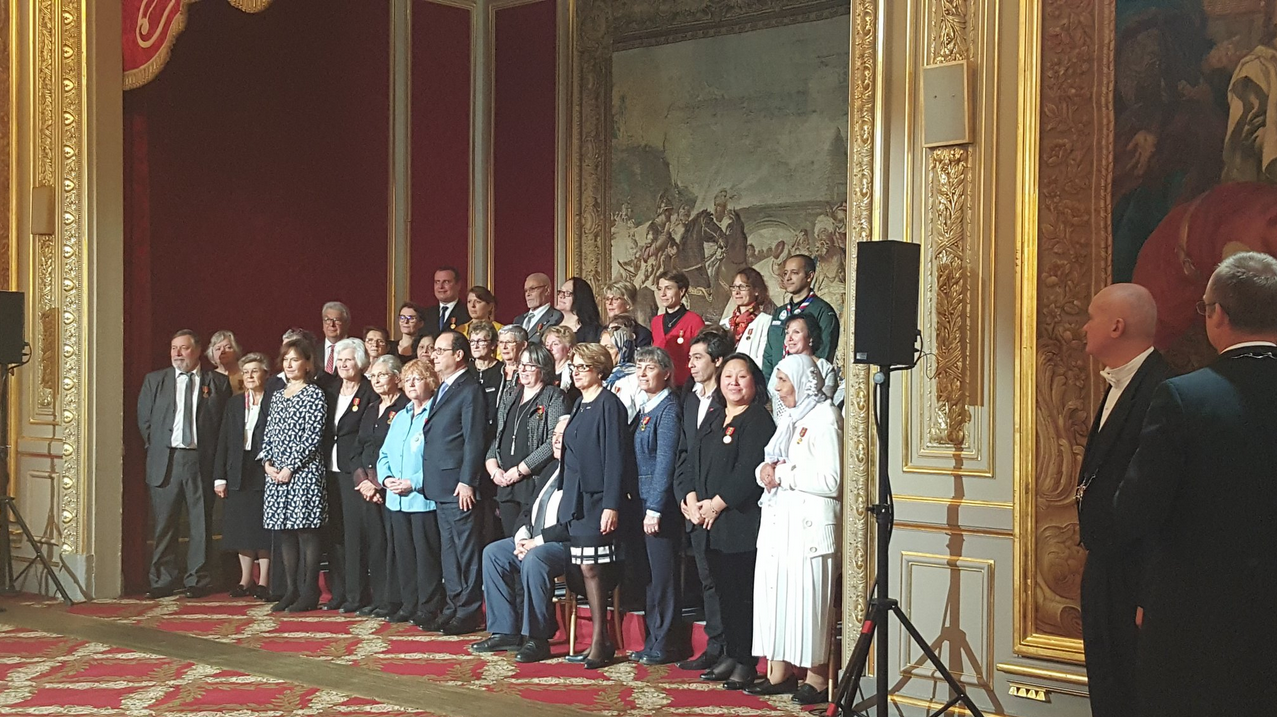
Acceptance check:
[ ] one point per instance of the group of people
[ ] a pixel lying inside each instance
(453, 474)
(1175, 496)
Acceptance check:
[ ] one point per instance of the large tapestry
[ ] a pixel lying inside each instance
(730, 151)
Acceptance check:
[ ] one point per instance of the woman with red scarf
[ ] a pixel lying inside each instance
(674, 328)
(752, 316)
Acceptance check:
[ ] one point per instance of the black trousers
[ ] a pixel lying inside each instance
(391, 594)
(365, 537)
(416, 541)
(714, 644)
(333, 535)
(734, 578)
(181, 493)
(1109, 634)
(459, 533)
(664, 560)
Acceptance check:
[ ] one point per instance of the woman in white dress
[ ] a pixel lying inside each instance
(751, 315)
(798, 536)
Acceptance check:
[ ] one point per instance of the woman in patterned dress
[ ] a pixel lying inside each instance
(292, 452)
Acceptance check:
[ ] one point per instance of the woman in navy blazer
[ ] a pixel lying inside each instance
(656, 434)
(349, 400)
(238, 478)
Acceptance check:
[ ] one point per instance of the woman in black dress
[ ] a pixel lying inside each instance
(238, 479)
(599, 485)
(580, 310)
(524, 436)
(725, 503)
(375, 523)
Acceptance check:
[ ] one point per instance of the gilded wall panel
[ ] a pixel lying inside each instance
(6, 143)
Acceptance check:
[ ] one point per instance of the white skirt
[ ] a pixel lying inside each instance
(793, 603)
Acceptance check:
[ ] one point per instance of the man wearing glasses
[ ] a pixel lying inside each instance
(452, 461)
(1122, 320)
(540, 315)
(336, 318)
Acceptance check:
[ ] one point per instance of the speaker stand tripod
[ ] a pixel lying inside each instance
(9, 513)
(873, 630)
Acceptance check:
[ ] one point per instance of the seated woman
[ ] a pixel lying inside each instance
(374, 521)
(798, 535)
(522, 446)
(238, 479)
(414, 524)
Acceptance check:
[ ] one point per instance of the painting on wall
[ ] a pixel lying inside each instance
(730, 151)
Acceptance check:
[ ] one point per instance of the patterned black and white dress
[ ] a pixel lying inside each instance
(294, 439)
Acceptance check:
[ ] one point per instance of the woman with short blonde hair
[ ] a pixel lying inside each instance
(559, 341)
(224, 352)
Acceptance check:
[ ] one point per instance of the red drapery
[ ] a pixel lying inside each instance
(149, 29)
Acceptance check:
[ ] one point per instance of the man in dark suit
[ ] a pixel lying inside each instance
(1202, 491)
(179, 413)
(1122, 320)
(449, 314)
(540, 314)
(705, 357)
(452, 459)
(519, 572)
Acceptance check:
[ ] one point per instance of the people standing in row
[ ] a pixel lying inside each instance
(411, 326)
(179, 414)
(481, 305)
(336, 327)
(751, 314)
(240, 481)
(674, 328)
(224, 353)
(352, 399)
(796, 278)
(538, 292)
(580, 310)
(376, 342)
(447, 314)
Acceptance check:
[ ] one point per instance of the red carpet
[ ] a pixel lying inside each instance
(624, 688)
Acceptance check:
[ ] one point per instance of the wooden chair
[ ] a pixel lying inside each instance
(618, 617)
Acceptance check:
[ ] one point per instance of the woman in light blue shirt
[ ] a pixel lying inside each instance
(414, 527)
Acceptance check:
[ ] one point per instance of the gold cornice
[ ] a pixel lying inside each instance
(953, 529)
(963, 502)
(250, 6)
(1041, 673)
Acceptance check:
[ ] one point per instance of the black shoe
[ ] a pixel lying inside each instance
(240, 591)
(428, 623)
(285, 601)
(400, 616)
(384, 612)
(808, 695)
(721, 671)
(334, 604)
(534, 650)
(765, 688)
(351, 607)
(702, 663)
(638, 656)
(367, 611)
(194, 592)
(742, 677)
(159, 593)
(607, 657)
(263, 593)
(304, 605)
(655, 657)
(456, 627)
(498, 642)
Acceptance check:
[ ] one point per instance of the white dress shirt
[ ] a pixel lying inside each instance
(1119, 378)
(534, 316)
(343, 403)
(705, 398)
(1248, 344)
(445, 312)
(193, 399)
(551, 509)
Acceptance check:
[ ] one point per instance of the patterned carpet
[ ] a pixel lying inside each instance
(626, 688)
(44, 674)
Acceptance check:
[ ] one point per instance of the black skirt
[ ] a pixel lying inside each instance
(242, 521)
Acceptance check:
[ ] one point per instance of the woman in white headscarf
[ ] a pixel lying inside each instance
(798, 536)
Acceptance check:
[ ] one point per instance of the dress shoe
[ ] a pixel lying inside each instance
(721, 671)
(351, 607)
(158, 593)
(428, 623)
(742, 677)
(606, 657)
(285, 601)
(334, 604)
(384, 612)
(498, 642)
(638, 655)
(456, 627)
(240, 591)
(367, 611)
(263, 593)
(304, 604)
(655, 657)
(765, 688)
(195, 591)
(534, 650)
(808, 695)
(700, 664)
(577, 659)
(400, 616)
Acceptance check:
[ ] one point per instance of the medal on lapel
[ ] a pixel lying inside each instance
(206, 392)
(646, 420)
(679, 341)
(540, 410)
(727, 437)
(749, 334)
(390, 416)
(452, 322)
(800, 436)
(354, 405)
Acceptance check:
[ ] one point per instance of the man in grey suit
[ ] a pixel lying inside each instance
(540, 314)
(452, 460)
(179, 413)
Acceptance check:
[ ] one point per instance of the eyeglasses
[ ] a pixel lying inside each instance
(1203, 306)
(529, 367)
(375, 342)
(407, 317)
(380, 374)
(564, 294)
(333, 322)
(440, 350)
(535, 289)
(507, 342)
(581, 367)
(740, 287)
(477, 342)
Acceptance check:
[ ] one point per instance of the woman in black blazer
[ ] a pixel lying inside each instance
(238, 478)
(347, 553)
(725, 503)
(371, 531)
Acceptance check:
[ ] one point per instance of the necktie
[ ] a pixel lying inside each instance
(539, 519)
(328, 363)
(188, 413)
(527, 323)
(443, 388)
(443, 316)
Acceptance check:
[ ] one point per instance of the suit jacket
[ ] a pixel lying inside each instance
(727, 470)
(554, 532)
(454, 447)
(373, 427)
(1108, 454)
(548, 406)
(229, 464)
(656, 441)
(551, 317)
(689, 444)
(1202, 491)
(460, 316)
(156, 408)
(345, 434)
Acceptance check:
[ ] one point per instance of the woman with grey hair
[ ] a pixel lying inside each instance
(238, 479)
(524, 435)
(368, 529)
(623, 382)
(348, 401)
(224, 352)
(619, 298)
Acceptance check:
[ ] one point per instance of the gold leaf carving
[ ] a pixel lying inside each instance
(71, 150)
(6, 157)
(949, 267)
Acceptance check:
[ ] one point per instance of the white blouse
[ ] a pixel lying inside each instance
(251, 412)
(343, 403)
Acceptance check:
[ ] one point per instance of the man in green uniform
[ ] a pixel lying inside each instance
(796, 278)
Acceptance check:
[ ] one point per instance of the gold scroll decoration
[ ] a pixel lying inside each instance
(151, 28)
